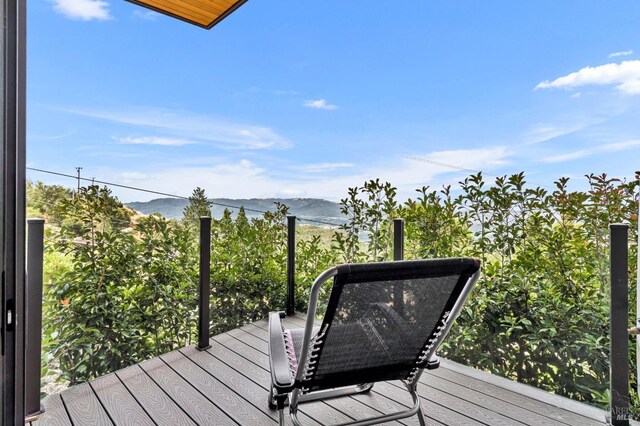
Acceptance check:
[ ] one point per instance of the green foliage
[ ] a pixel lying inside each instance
(45, 201)
(116, 295)
(199, 206)
(247, 272)
(116, 298)
(539, 313)
(370, 209)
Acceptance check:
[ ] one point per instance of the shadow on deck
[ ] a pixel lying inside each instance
(228, 385)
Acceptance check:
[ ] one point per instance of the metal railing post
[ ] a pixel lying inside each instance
(205, 283)
(398, 239)
(33, 340)
(398, 254)
(291, 265)
(619, 366)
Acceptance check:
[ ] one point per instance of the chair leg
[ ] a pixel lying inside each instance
(280, 402)
(271, 401)
(413, 390)
(421, 417)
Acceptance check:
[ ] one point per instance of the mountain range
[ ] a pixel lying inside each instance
(314, 210)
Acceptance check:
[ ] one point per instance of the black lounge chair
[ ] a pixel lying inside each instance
(384, 321)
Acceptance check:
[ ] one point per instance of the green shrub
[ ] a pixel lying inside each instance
(117, 294)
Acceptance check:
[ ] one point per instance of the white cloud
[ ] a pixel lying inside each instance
(626, 75)
(129, 176)
(546, 132)
(246, 179)
(320, 104)
(623, 53)
(194, 127)
(323, 167)
(154, 140)
(84, 10)
(147, 15)
(602, 149)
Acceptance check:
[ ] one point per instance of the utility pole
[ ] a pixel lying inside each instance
(78, 170)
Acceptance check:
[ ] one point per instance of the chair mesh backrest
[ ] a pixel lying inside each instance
(380, 317)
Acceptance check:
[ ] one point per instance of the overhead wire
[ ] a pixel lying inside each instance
(150, 191)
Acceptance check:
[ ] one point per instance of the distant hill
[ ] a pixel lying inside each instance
(304, 208)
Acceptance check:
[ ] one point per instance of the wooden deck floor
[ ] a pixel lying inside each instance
(227, 385)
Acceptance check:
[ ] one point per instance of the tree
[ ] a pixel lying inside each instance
(198, 206)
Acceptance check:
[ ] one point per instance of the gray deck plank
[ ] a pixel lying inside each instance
(228, 385)
(437, 412)
(243, 386)
(259, 371)
(83, 406)
(489, 402)
(54, 413)
(200, 409)
(431, 395)
(216, 392)
(250, 339)
(536, 411)
(119, 403)
(548, 410)
(539, 396)
(253, 329)
(162, 409)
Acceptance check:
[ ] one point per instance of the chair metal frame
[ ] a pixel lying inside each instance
(285, 391)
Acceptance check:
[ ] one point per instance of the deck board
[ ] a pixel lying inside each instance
(200, 409)
(162, 409)
(228, 385)
(84, 407)
(56, 413)
(216, 392)
(119, 403)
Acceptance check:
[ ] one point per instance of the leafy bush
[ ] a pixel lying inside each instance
(540, 311)
(119, 292)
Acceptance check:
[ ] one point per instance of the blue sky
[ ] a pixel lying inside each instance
(308, 98)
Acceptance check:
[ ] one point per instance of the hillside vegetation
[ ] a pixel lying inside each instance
(305, 208)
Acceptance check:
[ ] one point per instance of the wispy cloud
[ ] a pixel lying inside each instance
(154, 140)
(147, 15)
(320, 104)
(83, 10)
(602, 149)
(221, 179)
(622, 53)
(194, 127)
(625, 75)
(544, 132)
(470, 159)
(129, 176)
(43, 137)
(323, 167)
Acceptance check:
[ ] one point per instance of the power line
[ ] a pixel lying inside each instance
(438, 163)
(107, 183)
(94, 181)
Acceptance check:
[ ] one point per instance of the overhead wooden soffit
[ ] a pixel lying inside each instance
(203, 13)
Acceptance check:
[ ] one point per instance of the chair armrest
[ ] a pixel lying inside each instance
(278, 360)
